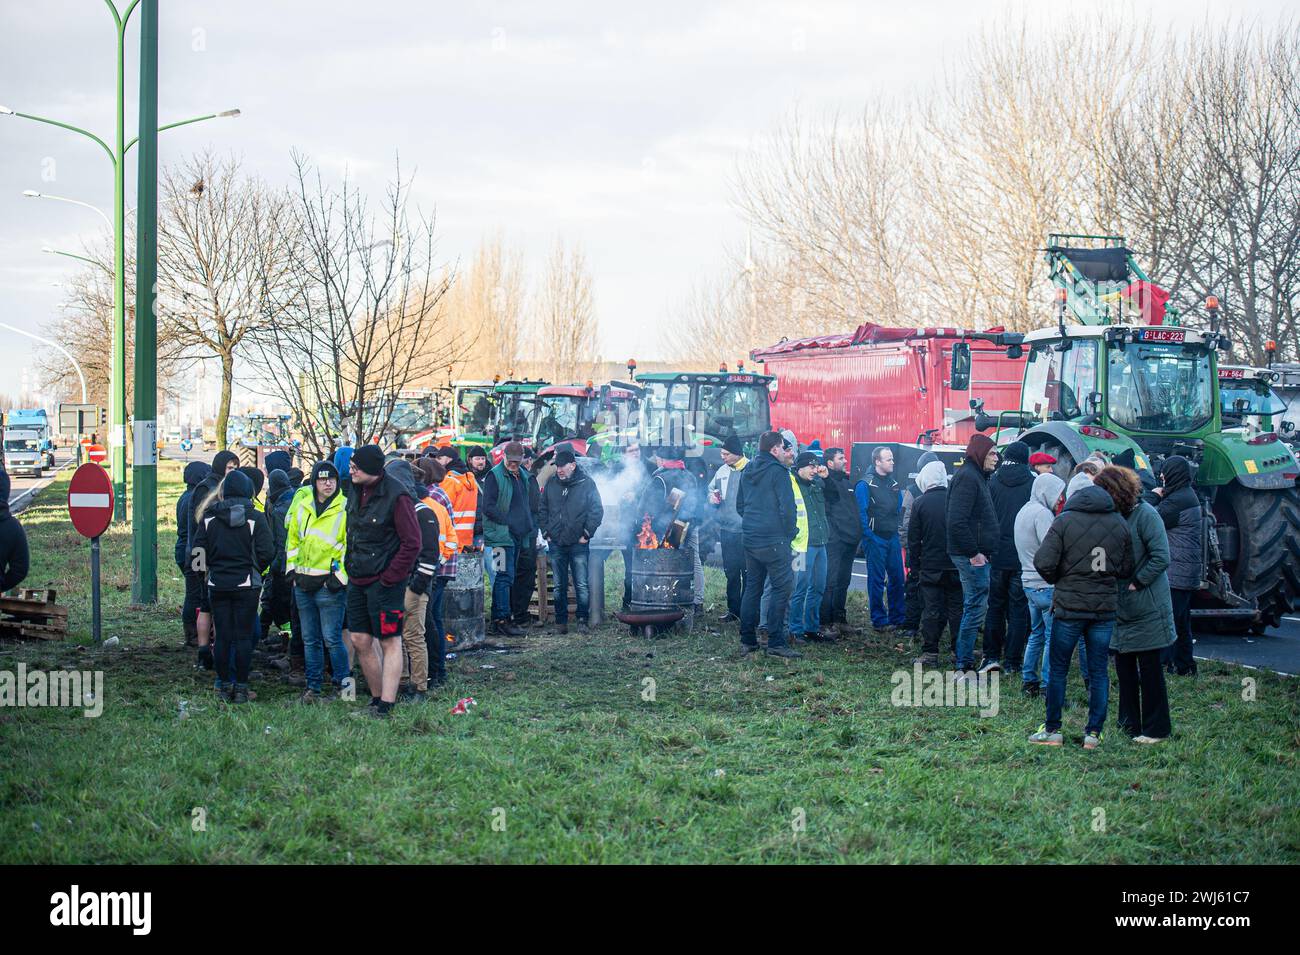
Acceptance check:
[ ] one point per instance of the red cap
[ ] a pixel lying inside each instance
(1040, 457)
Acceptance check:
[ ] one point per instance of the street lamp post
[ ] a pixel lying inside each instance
(53, 344)
(117, 156)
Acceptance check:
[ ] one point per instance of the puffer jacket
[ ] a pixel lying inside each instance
(1085, 555)
(913, 492)
(766, 503)
(1032, 524)
(972, 522)
(1146, 616)
(1009, 489)
(1180, 512)
(927, 534)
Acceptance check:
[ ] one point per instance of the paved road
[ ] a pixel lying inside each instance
(22, 489)
(1278, 649)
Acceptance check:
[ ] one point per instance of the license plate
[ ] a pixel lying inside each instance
(1175, 335)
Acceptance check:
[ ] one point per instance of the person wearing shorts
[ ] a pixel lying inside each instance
(382, 546)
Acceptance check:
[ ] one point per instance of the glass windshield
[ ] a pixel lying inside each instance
(666, 410)
(727, 409)
(1160, 387)
(474, 406)
(412, 414)
(1057, 384)
(19, 444)
(519, 414)
(1259, 398)
(558, 420)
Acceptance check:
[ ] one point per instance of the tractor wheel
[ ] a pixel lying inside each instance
(247, 457)
(1267, 565)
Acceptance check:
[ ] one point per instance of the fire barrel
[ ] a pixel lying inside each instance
(663, 580)
(462, 604)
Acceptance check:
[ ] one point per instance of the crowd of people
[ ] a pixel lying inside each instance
(355, 557)
(1004, 548)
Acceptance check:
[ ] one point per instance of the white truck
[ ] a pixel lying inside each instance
(23, 452)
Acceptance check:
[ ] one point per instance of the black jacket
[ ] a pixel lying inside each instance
(841, 509)
(1180, 511)
(766, 503)
(1086, 555)
(279, 494)
(13, 542)
(235, 541)
(927, 534)
(973, 526)
(884, 504)
(570, 509)
(194, 474)
(1009, 490)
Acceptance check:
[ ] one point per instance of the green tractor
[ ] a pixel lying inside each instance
(698, 411)
(1128, 379)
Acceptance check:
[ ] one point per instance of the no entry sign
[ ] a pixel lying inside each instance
(90, 500)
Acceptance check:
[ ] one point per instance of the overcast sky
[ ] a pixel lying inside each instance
(618, 126)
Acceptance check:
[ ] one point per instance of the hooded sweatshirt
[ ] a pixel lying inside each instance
(234, 538)
(193, 475)
(972, 522)
(279, 492)
(220, 461)
(1031, 525)
(927, 534)
(13, 541)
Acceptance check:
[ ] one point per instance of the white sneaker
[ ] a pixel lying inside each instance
(990, 665)
(1148, 739)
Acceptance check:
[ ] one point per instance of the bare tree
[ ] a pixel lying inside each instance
(566, 315)
(487, 309)
(359, 317)
(219, 256)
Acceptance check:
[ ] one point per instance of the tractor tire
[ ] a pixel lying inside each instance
(1267, 565)
(247, 457)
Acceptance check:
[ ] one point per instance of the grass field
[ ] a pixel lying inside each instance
(564, 760)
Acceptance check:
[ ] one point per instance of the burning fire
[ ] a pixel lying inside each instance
(647, 540)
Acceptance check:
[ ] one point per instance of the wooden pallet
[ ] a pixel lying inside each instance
(33, 614)
(541, 602)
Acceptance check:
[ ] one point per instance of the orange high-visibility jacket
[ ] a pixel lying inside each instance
(448, 545)
(462, 490)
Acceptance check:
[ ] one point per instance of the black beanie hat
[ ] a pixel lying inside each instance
(323, 469)
(369, 459)
(564, 456)
(732, 445)
(1016, 451)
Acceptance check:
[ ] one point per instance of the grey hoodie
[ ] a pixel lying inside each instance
(1032, 522)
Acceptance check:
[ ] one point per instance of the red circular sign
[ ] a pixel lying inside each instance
(90, 500)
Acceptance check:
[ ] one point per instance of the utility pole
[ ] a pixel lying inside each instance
(144, 463)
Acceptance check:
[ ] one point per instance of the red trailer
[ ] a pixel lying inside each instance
(907, 387)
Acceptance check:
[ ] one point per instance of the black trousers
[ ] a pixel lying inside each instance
(1007, 624)
(234, 618)
(1179, 655)
(772, 562)
(914, 600)
(194, 584)
(941, 591)
(1143, 700)
(733, 565)
(277, 599)
(839, 575)
(521, 591)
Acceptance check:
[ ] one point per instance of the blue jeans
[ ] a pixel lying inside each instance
(1096, 636)
(321, 617)
(974, 607)
(566, 559)
(764, 606)
(1040, 634)
(809, 586)
(503, 562)
(435, 634)
(885, 566)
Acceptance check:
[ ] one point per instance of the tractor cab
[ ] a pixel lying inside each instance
(698, 411)
(588, 418)
(518, 410)
(1247, 400)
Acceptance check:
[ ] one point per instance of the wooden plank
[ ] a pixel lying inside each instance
(31, 608)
